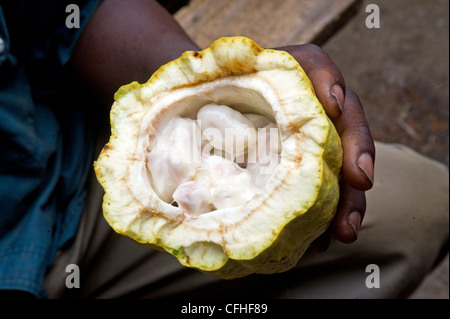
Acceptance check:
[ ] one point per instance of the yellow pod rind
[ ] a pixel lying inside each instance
(270, 233)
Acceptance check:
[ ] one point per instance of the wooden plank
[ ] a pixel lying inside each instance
(270, 23)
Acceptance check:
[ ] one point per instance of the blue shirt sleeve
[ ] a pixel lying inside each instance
(47, 132)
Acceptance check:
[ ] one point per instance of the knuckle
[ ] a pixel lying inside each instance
(313, 48)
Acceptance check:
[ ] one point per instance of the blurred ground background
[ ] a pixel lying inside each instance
(400, 71)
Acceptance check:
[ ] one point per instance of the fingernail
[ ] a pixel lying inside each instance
(365, 164)
(338, 94)
(354, 220)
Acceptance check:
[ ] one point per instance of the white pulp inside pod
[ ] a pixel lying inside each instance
(218, 160)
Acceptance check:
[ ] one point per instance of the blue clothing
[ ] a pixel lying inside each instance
(46, 138)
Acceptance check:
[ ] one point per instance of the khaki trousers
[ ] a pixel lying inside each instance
(404, 232)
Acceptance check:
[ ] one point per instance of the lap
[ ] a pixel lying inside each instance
(404, 229)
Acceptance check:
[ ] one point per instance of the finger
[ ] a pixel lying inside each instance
(349, 215)
(322, 243)
(357, 144)
(325, 77)
(347, 221)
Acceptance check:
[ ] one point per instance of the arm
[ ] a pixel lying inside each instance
(127, 41)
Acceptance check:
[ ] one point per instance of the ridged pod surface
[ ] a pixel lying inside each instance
(268, 233)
